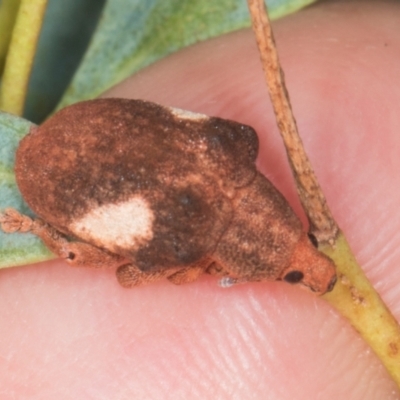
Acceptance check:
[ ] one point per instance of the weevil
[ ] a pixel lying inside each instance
(159, 192)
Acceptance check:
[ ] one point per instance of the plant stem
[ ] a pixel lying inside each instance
(20, 55)
(8, 13)
(322, 224)
(356, 299)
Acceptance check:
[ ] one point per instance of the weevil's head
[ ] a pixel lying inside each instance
(311, 268)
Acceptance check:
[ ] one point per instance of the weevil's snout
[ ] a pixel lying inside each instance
(310, 268)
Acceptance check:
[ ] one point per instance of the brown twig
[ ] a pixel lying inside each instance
(322, 224)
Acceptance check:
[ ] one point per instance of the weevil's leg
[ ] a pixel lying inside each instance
(216, 269)
(12, 221)
(76, 253)
(190, 273)
(79, 254)
(186, 275)
(226, 279)
(129, 276)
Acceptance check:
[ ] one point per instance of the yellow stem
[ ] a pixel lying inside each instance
(20, 55)
(356, 299)
(8, 13)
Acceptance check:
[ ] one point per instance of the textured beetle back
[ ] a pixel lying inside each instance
(110, 151)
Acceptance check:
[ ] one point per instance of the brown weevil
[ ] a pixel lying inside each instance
(159, 192)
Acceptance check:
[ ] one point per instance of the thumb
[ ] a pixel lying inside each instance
(70, 331)
(343, 111)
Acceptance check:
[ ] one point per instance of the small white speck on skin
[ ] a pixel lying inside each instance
(183, 114)
(124, 225)
(227, 282)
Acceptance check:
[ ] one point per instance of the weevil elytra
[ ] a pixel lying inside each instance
(159, 192)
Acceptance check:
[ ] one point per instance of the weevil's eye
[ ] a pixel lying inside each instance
(294, 277)
(71, 255)
(332, 284)
(313, 240)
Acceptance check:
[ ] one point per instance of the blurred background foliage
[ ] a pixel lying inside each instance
(86, 46)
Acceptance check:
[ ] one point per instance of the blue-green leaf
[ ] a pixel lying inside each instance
(66, 32)
(15, 249)
(134, 33)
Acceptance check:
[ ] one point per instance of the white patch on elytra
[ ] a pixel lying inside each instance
(183, 114)
(123, 225)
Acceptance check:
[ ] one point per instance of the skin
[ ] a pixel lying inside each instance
(67, 332)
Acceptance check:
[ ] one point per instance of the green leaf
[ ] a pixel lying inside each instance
(66, 32)
(134, 33)
(15, 249)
